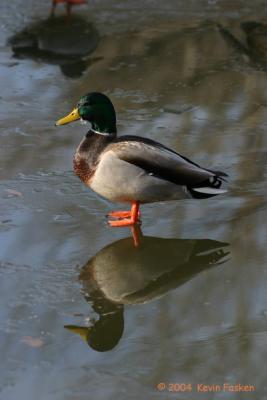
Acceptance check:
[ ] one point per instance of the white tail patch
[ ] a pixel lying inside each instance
(207, 190)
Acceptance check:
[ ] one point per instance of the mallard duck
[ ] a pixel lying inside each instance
(133, 169)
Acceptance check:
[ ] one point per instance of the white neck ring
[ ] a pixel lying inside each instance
(100, 133)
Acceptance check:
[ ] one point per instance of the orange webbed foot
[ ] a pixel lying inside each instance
(123, 222)
(125, 218)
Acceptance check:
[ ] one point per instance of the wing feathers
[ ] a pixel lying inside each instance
(164, 163)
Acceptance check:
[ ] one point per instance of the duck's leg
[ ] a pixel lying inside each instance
(129, 217)
(53, 8)
(136, 234)
(68, 9)
(54, 5)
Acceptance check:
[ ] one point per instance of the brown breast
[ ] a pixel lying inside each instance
(82, 169)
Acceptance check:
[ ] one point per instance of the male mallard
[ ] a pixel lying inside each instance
(132, 169)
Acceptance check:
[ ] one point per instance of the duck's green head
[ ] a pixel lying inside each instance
(96, 108)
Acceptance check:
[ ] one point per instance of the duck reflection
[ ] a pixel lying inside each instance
(123, 274)
(66, 43)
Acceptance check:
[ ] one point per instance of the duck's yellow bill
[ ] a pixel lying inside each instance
(83, 331)
(72, 116)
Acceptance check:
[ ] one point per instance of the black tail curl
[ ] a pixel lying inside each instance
(214, 182)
